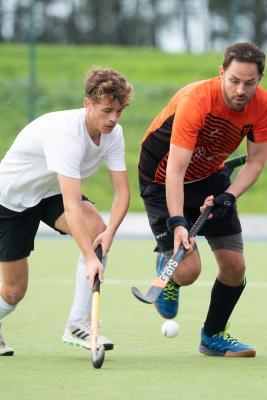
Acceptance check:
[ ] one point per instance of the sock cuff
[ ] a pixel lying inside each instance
(5, 308)
(222, 285)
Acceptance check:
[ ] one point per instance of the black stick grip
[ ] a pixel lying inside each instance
(199, 222)
(96, 285)
(236, 162)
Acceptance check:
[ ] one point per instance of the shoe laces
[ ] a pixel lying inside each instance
(227, 337)
(85, 324)
(171, 291)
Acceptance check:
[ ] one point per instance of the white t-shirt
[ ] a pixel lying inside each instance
(57, 142)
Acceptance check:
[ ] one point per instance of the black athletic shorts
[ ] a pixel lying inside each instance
(18, 229)
(195, 193)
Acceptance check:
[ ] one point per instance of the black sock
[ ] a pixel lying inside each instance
(222, 302)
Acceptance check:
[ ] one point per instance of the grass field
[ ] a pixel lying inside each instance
(144, 365)
(60, 71)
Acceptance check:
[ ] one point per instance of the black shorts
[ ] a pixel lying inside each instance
(195, 193)
(18, 229)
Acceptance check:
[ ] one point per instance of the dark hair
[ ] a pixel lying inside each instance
(244, 52)
(105, 82)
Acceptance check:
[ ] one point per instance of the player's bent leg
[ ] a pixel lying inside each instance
(231, 267)
(14, 280)
(93, 219)
(167, 303)
(78, 328)
(226, 291)
(13, 289)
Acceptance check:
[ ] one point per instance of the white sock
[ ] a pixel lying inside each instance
(81, 305)
(5, 308)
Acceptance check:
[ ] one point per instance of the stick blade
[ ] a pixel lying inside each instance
(151, 295)
(98, 356)
(136, 292)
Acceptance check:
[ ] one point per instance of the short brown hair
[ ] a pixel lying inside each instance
(244, 52)
(105, 82)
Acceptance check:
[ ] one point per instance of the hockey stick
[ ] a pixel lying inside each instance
(235, 162)
(162, 280)
(97, 352)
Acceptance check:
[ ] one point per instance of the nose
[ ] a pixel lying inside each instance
(240, 89)
(114, 117)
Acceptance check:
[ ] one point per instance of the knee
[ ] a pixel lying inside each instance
(188, 270)
(93, 219)
(13, 295)
(188, 276)
(233, 274)
(235, 270)
(100, 226)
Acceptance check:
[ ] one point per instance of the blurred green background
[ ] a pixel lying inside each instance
(60, 72)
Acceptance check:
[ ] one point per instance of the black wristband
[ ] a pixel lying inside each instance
(173, 222)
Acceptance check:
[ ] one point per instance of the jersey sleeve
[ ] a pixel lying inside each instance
(115, 157)
(187, 123)
(258, 132)
(63, 153)
(260, 129)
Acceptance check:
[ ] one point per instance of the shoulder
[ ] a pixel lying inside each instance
(261, 95)
(258, 104)
(199, 92)
(63, 117)
(197, 97)
(63, 123)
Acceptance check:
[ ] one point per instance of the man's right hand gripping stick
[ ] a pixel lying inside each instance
(162, 280)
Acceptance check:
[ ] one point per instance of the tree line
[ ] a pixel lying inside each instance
(133, 22)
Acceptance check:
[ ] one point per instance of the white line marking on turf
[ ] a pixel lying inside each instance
(137, 282)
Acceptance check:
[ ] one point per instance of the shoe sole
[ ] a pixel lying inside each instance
(244, 353)
(107, 346)
(164, 316)
(7, 353)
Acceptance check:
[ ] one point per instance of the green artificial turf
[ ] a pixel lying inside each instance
(143, 365)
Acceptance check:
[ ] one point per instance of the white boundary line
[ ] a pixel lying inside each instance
(139, 282)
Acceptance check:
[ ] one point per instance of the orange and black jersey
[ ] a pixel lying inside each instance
(197, 119)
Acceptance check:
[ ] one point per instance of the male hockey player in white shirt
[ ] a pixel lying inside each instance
(41, 179)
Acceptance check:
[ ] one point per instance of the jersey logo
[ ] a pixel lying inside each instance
(214, 132)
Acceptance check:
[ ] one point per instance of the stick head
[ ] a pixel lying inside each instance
(151, 295)
(98, 356)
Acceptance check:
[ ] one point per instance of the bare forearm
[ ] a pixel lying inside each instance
(178, 162)
(175, 194)
(118, 211)
(246, 177)
(77, 226)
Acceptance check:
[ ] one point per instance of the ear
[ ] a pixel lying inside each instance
(86, 102)
(222, 71)
(261, 76)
